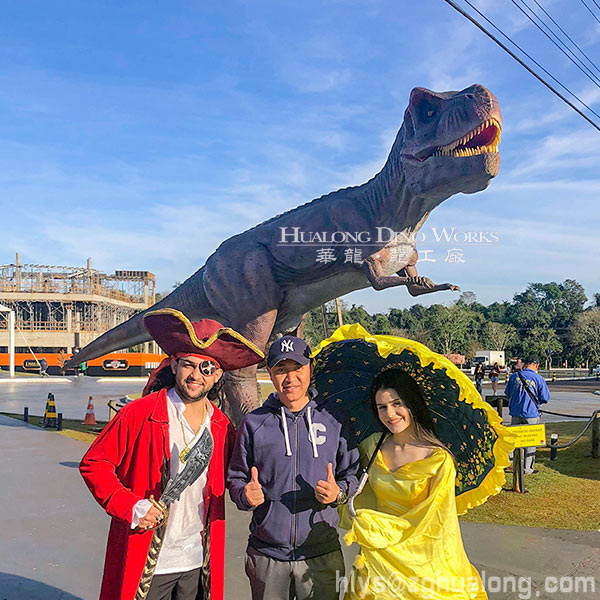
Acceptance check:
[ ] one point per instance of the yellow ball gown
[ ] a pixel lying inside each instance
(409, 536)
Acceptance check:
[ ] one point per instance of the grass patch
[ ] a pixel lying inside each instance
(72, 428)
(82, 436)
(30, 374)
(265, 390)
(564, 494)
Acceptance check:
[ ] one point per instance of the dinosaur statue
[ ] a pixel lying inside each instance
(262, 281)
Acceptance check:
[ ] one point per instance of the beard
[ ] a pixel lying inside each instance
(191, 395)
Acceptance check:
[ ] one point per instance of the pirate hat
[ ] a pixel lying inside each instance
(177, 336)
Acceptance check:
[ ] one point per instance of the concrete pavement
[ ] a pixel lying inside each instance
(54, 534)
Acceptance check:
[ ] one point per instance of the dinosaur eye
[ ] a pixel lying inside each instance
(427, 110)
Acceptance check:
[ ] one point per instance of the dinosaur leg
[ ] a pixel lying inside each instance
(373, 269)
(408, 276)
(299, 332)
(241, 388)
(418, 286)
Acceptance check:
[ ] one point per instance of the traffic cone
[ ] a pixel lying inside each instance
(90, 417)
(50, 413)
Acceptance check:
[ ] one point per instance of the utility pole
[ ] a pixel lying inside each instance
(325, 314)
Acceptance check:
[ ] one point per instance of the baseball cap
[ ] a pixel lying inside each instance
(290, 347)
(531, 360)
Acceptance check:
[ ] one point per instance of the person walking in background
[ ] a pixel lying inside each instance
(494, 375)
(44, 367)
(526, 391)
(516, 366)
(479, 375)
(293, 462)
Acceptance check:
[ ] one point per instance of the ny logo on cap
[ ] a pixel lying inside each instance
(287, 346)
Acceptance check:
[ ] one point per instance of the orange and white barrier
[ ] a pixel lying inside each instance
(90, 416)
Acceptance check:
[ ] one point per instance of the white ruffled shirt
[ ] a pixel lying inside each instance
(182, 548)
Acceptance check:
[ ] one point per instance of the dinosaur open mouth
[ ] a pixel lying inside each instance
(481, 140)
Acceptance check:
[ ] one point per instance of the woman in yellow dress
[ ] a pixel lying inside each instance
(406, 517)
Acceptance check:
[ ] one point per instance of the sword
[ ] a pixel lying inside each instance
(196, 463)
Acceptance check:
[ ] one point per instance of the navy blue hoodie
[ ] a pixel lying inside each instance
(292, 524)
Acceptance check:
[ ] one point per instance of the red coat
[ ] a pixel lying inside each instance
(124, 465)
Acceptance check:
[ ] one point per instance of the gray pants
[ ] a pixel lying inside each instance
(175, 586)
(317, 578)
(530, 450)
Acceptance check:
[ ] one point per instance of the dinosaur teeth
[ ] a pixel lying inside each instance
(454, 149)
(465, 152)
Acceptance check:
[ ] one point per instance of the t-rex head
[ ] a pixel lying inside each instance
(448, 142)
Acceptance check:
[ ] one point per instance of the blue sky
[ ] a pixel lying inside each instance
(144, 134)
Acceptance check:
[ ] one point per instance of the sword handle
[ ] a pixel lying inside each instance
(161, 508)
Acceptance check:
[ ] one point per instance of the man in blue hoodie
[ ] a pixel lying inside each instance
(295, 459)
(524, 402)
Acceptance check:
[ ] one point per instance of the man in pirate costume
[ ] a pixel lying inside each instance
(158, 468)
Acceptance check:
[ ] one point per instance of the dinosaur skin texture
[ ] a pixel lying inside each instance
(448, 143)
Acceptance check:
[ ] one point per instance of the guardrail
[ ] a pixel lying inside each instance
(500, 401)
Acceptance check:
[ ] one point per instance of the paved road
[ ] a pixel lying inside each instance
(70, 393)
(53, 533)
(566, 398)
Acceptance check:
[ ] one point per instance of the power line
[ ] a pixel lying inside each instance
(528, 56)
(523, 64)
(591, 11)
(593, 78)
(567, 35)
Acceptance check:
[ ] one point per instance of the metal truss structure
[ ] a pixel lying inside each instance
(67, 307)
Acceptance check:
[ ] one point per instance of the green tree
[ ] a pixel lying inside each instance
(573, 298)
(497, 312)
(498, 336)
(313, 327)
(584, 335)
(448, 327)
(381, 326)
(358, 314)
(543, 343)
(548, 304)
(468, 298)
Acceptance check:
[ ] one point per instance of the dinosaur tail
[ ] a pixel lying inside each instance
(189, 298)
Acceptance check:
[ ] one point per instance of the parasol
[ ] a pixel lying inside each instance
(347, 362)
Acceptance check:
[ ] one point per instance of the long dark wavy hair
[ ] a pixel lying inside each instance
(166, 379)
(412, 398)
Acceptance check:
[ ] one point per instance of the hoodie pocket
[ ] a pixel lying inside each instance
(272, 525)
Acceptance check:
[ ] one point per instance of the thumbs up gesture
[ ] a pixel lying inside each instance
(253, 489)
(327, 491)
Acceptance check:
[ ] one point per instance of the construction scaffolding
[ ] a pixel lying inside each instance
(60, 307)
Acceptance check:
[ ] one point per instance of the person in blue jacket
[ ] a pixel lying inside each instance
(523, 408)
(295, 459)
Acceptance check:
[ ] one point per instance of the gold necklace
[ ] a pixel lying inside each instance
(186, 450)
